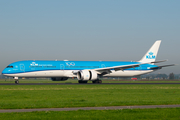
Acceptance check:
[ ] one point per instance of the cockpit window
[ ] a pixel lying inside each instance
(9, 67)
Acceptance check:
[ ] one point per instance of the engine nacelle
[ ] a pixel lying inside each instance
(86, 75)
(59, 78)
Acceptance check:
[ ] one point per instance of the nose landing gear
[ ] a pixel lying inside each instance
(16, 80)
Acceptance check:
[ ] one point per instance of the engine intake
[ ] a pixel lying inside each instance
(86, 75)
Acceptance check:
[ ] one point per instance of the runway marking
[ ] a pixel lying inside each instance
(90, 108)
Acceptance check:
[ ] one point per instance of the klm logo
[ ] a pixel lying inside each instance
(150, 56)
(34, 64)
(70, 63)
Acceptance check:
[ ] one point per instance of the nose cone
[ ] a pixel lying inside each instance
(4, 71)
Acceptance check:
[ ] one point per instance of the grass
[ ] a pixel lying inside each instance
(55, 96)
(62, 96)
(125, 114)
(37, 81)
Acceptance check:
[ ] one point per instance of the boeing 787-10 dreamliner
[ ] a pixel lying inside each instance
(84, 70)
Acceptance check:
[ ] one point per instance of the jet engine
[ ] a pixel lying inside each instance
(59, 78)
(86, 75)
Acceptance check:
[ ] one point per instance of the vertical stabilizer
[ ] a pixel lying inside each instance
(151, 55)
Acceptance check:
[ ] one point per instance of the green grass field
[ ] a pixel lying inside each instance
(55, 96)
(125, 114)
(63, 96)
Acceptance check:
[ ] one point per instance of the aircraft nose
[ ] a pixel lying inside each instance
(4, 71)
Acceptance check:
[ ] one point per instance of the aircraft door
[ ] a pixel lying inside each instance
(22, 67)
(103, 66)
(140, 68)
(61, 66)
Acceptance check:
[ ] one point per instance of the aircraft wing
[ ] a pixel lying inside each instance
(107, 70)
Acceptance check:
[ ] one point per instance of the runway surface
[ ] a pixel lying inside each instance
(84, 83)
(91, 108)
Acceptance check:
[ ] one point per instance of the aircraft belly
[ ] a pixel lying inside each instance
(51, 73)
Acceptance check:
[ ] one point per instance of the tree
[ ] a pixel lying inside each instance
(171, 76)
(162, 76)
(147, 77)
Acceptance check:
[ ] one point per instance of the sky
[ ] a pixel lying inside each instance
(107, 30)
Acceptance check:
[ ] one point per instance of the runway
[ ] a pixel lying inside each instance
(85, 83)
(91, 108)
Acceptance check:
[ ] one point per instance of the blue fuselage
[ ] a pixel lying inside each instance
(37, 65)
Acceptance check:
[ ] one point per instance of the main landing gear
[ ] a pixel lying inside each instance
(17, 81)
(81, 81)
(94, 81)
(97, 81)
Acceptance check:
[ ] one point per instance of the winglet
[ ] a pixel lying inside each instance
(151, 55)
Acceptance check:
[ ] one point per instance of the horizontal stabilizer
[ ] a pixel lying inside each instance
(159, 61)
(159, 67)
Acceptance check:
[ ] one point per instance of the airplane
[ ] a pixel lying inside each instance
(85, 70)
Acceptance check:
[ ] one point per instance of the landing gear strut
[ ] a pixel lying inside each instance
(97, 81)
(16, 80)
(94, 81)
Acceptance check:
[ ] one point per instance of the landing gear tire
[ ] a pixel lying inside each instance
(97, 81)
(81, 81)
(16, 81)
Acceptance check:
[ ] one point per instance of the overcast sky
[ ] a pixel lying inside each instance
(118, 30)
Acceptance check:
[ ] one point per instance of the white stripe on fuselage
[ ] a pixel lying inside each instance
(69, 73)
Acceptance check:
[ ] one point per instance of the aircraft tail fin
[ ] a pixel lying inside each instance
(151, 55)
